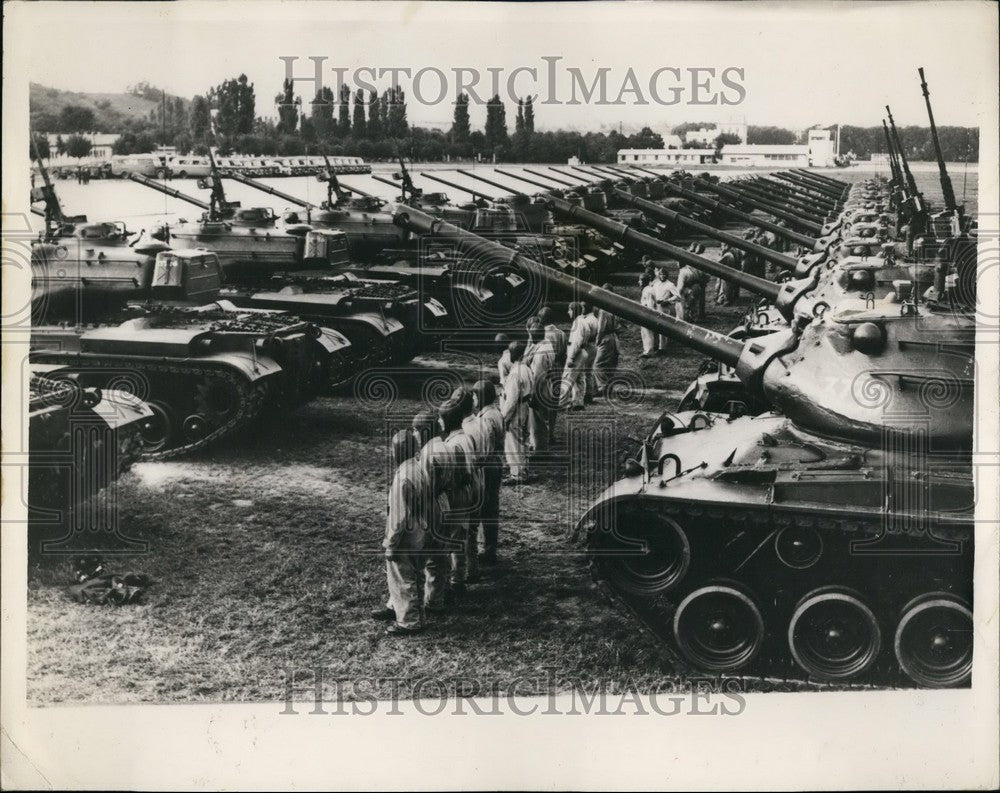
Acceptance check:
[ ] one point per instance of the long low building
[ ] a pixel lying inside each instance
(820, 150)
(764, 154)
(666, 156)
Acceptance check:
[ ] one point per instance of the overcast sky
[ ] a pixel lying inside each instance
(818, 63)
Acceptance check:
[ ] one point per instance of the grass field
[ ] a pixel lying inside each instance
(266, 553)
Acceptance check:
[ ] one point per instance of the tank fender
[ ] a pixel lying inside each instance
(333, 341)
(120, 408)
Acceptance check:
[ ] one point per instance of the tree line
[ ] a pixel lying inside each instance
(374, 126)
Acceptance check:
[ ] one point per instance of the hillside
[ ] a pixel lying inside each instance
(112, 111)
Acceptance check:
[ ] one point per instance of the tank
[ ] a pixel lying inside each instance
(386, 321)
(437, 204)
(335, 245)
(828, 542)
(78, 265)
(823, 281)
(81, 440)
(207, 370)
(246, 239)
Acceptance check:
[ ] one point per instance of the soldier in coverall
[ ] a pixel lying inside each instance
(582, 338)
(516, 412)
(606, 357)
(465, 491)
(540, 357)
(485, 424)
(438, 463)
(590, 315)
(405, 530)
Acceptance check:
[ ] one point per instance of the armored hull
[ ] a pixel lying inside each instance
(752, 548)
(205, 372)
(81, 440)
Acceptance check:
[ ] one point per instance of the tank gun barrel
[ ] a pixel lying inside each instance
(715, 345)
(627, 235)
(769, 194)
(790, 184)
(389, 182)
(469, 190)
(238, 177)
(946, 188)
(791, 203)
(812, 243)
(550, 178)
(839, 183)
(356, 191)
(524, 179)
(568, 175)
(600, 175)
(162, 188)
(807, 225)
(769, 198)
(491, 183)
(658, 211)
(807, 180)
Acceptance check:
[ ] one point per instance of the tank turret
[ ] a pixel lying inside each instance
(763, 546)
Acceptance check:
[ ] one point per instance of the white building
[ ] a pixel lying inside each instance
(665, 156)
(819, 152)
(755, 155)
(101, 143)
(822, 148)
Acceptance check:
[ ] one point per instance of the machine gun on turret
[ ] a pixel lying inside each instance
(914, 208)
(56, 221)
(410, 190)
(947, 190)
(219, 207)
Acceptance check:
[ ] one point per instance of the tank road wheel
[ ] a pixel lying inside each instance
(934, 641)
(833, 635)
(157, 431)
(798, 548)
(217, 400)
(196, 427)
(718, 628)
(647, 555)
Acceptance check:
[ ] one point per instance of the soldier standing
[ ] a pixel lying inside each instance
(665, 295)
(437, 461)
(515, 411)
(405, 531)
(504, 364)
(486, 426)
(606, 357)
(590, 316)
(728, 292)
(650, 340)
(574, 383)
(555, 335)
(692, 283)
(541, 358)
(465, 488)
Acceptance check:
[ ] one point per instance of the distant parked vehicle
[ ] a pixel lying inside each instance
(148, 165)
(189, 166)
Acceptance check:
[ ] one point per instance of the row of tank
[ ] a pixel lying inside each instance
(814, 523)
(804, 515)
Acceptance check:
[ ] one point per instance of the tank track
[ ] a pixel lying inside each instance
(107, 371)
(741, 596)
